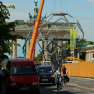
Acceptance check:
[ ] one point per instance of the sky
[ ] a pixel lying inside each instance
(82, 10)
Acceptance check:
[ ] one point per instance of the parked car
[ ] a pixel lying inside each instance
(21, 76)
(46, 75)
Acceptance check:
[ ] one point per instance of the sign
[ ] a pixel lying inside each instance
(73, 32)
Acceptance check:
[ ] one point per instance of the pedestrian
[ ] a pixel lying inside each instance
(53, 68)
(1, 76)
(65, 73)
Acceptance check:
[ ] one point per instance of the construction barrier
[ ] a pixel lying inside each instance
(81, 69)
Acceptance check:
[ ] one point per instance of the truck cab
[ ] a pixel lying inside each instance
(21, 76)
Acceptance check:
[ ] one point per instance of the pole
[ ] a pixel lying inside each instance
(73, 43)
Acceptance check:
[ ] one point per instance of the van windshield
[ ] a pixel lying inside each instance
(23, 70)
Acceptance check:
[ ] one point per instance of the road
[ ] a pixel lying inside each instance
(75, 86)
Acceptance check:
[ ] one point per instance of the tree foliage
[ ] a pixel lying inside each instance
(6, 30)
(39, 57)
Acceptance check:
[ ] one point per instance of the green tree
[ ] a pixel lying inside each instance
(39, 57)
(6, 30)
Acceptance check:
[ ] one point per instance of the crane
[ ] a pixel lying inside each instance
(31, 51)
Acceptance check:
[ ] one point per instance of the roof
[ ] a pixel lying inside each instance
(18, 59)
(86, 46)
(44, 66)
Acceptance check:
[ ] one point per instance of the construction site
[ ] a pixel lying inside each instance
(59, 38)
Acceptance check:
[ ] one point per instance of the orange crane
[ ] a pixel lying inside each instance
(31, 52)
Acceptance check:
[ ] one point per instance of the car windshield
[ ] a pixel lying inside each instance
(44, 70)
(23, 70)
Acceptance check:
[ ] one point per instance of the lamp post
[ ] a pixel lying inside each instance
(73, 43)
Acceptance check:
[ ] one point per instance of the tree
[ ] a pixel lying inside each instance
(39, 57)
(6, 30)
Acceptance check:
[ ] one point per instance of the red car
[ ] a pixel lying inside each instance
(21, 76)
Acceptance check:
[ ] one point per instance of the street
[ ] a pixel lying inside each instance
(76, 85)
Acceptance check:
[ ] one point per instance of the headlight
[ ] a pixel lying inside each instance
(34, 83)
(13, 84)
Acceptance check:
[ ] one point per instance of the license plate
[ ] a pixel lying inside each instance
(44, 79)
(25, 88)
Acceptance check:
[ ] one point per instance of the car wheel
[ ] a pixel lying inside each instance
(38, 92)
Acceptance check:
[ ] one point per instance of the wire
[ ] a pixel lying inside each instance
(54, 3)
(60, 6)
(66, 6)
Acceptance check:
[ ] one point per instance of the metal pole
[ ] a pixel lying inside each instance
(73, 43)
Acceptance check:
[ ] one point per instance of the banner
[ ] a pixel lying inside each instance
(71, 38)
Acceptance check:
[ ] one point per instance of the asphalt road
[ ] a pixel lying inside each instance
(75, 86)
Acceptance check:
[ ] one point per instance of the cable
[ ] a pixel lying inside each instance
(60, 6)
(54, 2)
(66, 6)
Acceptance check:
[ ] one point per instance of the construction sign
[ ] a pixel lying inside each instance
(73, 32)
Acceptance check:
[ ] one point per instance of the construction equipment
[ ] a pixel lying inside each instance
(31, 52)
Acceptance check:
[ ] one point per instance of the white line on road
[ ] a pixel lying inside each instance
(73, 83)
(87, 83)
(76, 88)
(77, 81)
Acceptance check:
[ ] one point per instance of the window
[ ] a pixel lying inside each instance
(44, 69)
(23, 70)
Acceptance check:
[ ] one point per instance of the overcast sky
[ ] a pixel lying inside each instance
(82, 10)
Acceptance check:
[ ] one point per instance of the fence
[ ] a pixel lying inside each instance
(81, 69)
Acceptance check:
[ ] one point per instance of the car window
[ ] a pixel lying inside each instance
(44, 69)
(23, 70)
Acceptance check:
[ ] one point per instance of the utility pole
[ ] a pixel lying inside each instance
(73, 43)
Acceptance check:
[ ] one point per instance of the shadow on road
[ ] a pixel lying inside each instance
(53, 89)
(44, 84)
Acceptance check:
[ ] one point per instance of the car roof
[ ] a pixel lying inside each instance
(17, 61)
(44, 67)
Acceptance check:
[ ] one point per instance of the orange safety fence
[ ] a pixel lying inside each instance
(81, 69)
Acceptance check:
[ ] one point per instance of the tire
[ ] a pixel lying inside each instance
(38, 92)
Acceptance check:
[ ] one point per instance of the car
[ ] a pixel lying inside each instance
(46, 75)
(21, 76)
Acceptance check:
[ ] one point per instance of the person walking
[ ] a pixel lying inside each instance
(53, 68)
(65, 73)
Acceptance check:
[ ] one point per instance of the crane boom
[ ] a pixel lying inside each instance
(35, 32)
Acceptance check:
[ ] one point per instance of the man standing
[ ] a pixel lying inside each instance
(53, 68)
(1, 80)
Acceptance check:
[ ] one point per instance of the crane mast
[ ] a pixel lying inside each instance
(31, 50)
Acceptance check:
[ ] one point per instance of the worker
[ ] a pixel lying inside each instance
(93, 58)
(53, 68)
(65, 73)
(1, 76)
(60, 73)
